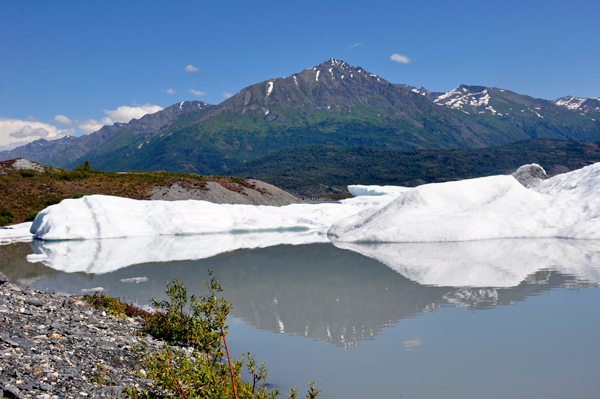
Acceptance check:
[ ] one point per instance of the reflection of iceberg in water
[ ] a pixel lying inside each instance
(107, 255)
(331, 294)
(488, 263)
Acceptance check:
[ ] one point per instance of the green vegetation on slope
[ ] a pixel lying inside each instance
(336, 166)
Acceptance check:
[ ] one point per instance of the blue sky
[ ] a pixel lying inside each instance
(67, 67)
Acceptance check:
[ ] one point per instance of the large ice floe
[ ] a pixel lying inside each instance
(100, 216)
(565, 206)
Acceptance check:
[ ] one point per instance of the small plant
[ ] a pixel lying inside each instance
(6, 216)
(201, 370)
(27, 173)
(112, 306)
(31, 216)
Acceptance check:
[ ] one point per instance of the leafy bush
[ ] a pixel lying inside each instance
(81, 171)
(6, 217)
(201, 371)
(27, 173)
(31, 216)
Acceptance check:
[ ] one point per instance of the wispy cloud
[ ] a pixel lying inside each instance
(400, 58)
(170, 91)
(63, 120)
(197, 92)
(226, 94)
(191, 68)
(33, 119)
(354, 45)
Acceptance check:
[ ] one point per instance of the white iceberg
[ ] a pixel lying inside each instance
(15, 233)
(565, 206)
(101, 216)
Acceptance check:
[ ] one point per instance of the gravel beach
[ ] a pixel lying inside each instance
(57, 346)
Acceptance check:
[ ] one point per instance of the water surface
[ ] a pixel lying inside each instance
(495, 319)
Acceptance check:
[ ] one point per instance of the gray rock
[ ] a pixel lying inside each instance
(11, 391)
(3, 278)
(106, 345)
(113, 392)
(262, 194)
(530, 175)
(45, 387)
(18, 342)
(34, 302)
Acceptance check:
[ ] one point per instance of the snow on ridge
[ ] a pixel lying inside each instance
(570, 102)
(460, 97)
(317, 77)
(270, 87)
(181, 105)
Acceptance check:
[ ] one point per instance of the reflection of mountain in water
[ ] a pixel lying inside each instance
(316, 290)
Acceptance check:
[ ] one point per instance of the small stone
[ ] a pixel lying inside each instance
(36, 371)
(106, 345)
(11, 391)
(40, 337)
(54, 335)
(34, 302)
(18, 342)
(45, 387)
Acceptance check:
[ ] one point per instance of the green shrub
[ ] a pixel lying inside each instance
(81, 171)
(27, 173)
(203, 372)
(31, 216)
(6, 216)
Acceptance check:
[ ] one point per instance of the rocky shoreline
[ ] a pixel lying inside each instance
(58, 346)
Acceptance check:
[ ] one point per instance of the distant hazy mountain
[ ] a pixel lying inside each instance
(66, 151)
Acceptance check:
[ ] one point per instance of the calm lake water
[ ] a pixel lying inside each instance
(494, 319)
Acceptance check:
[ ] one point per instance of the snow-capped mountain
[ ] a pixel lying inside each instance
(584, 105)
(332, 103)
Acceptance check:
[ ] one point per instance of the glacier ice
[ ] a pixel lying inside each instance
(565, 206)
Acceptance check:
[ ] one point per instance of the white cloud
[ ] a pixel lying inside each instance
(197, 92)
(28, 131)
(226, 94)
(15, 133)
(170, 91)
(191, 68)
(354, 45)
(63, 120)
(33, 119)
(90, 125)
(126, 113)
(400, 58)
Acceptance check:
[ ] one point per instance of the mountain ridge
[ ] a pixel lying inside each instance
(333, 103)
